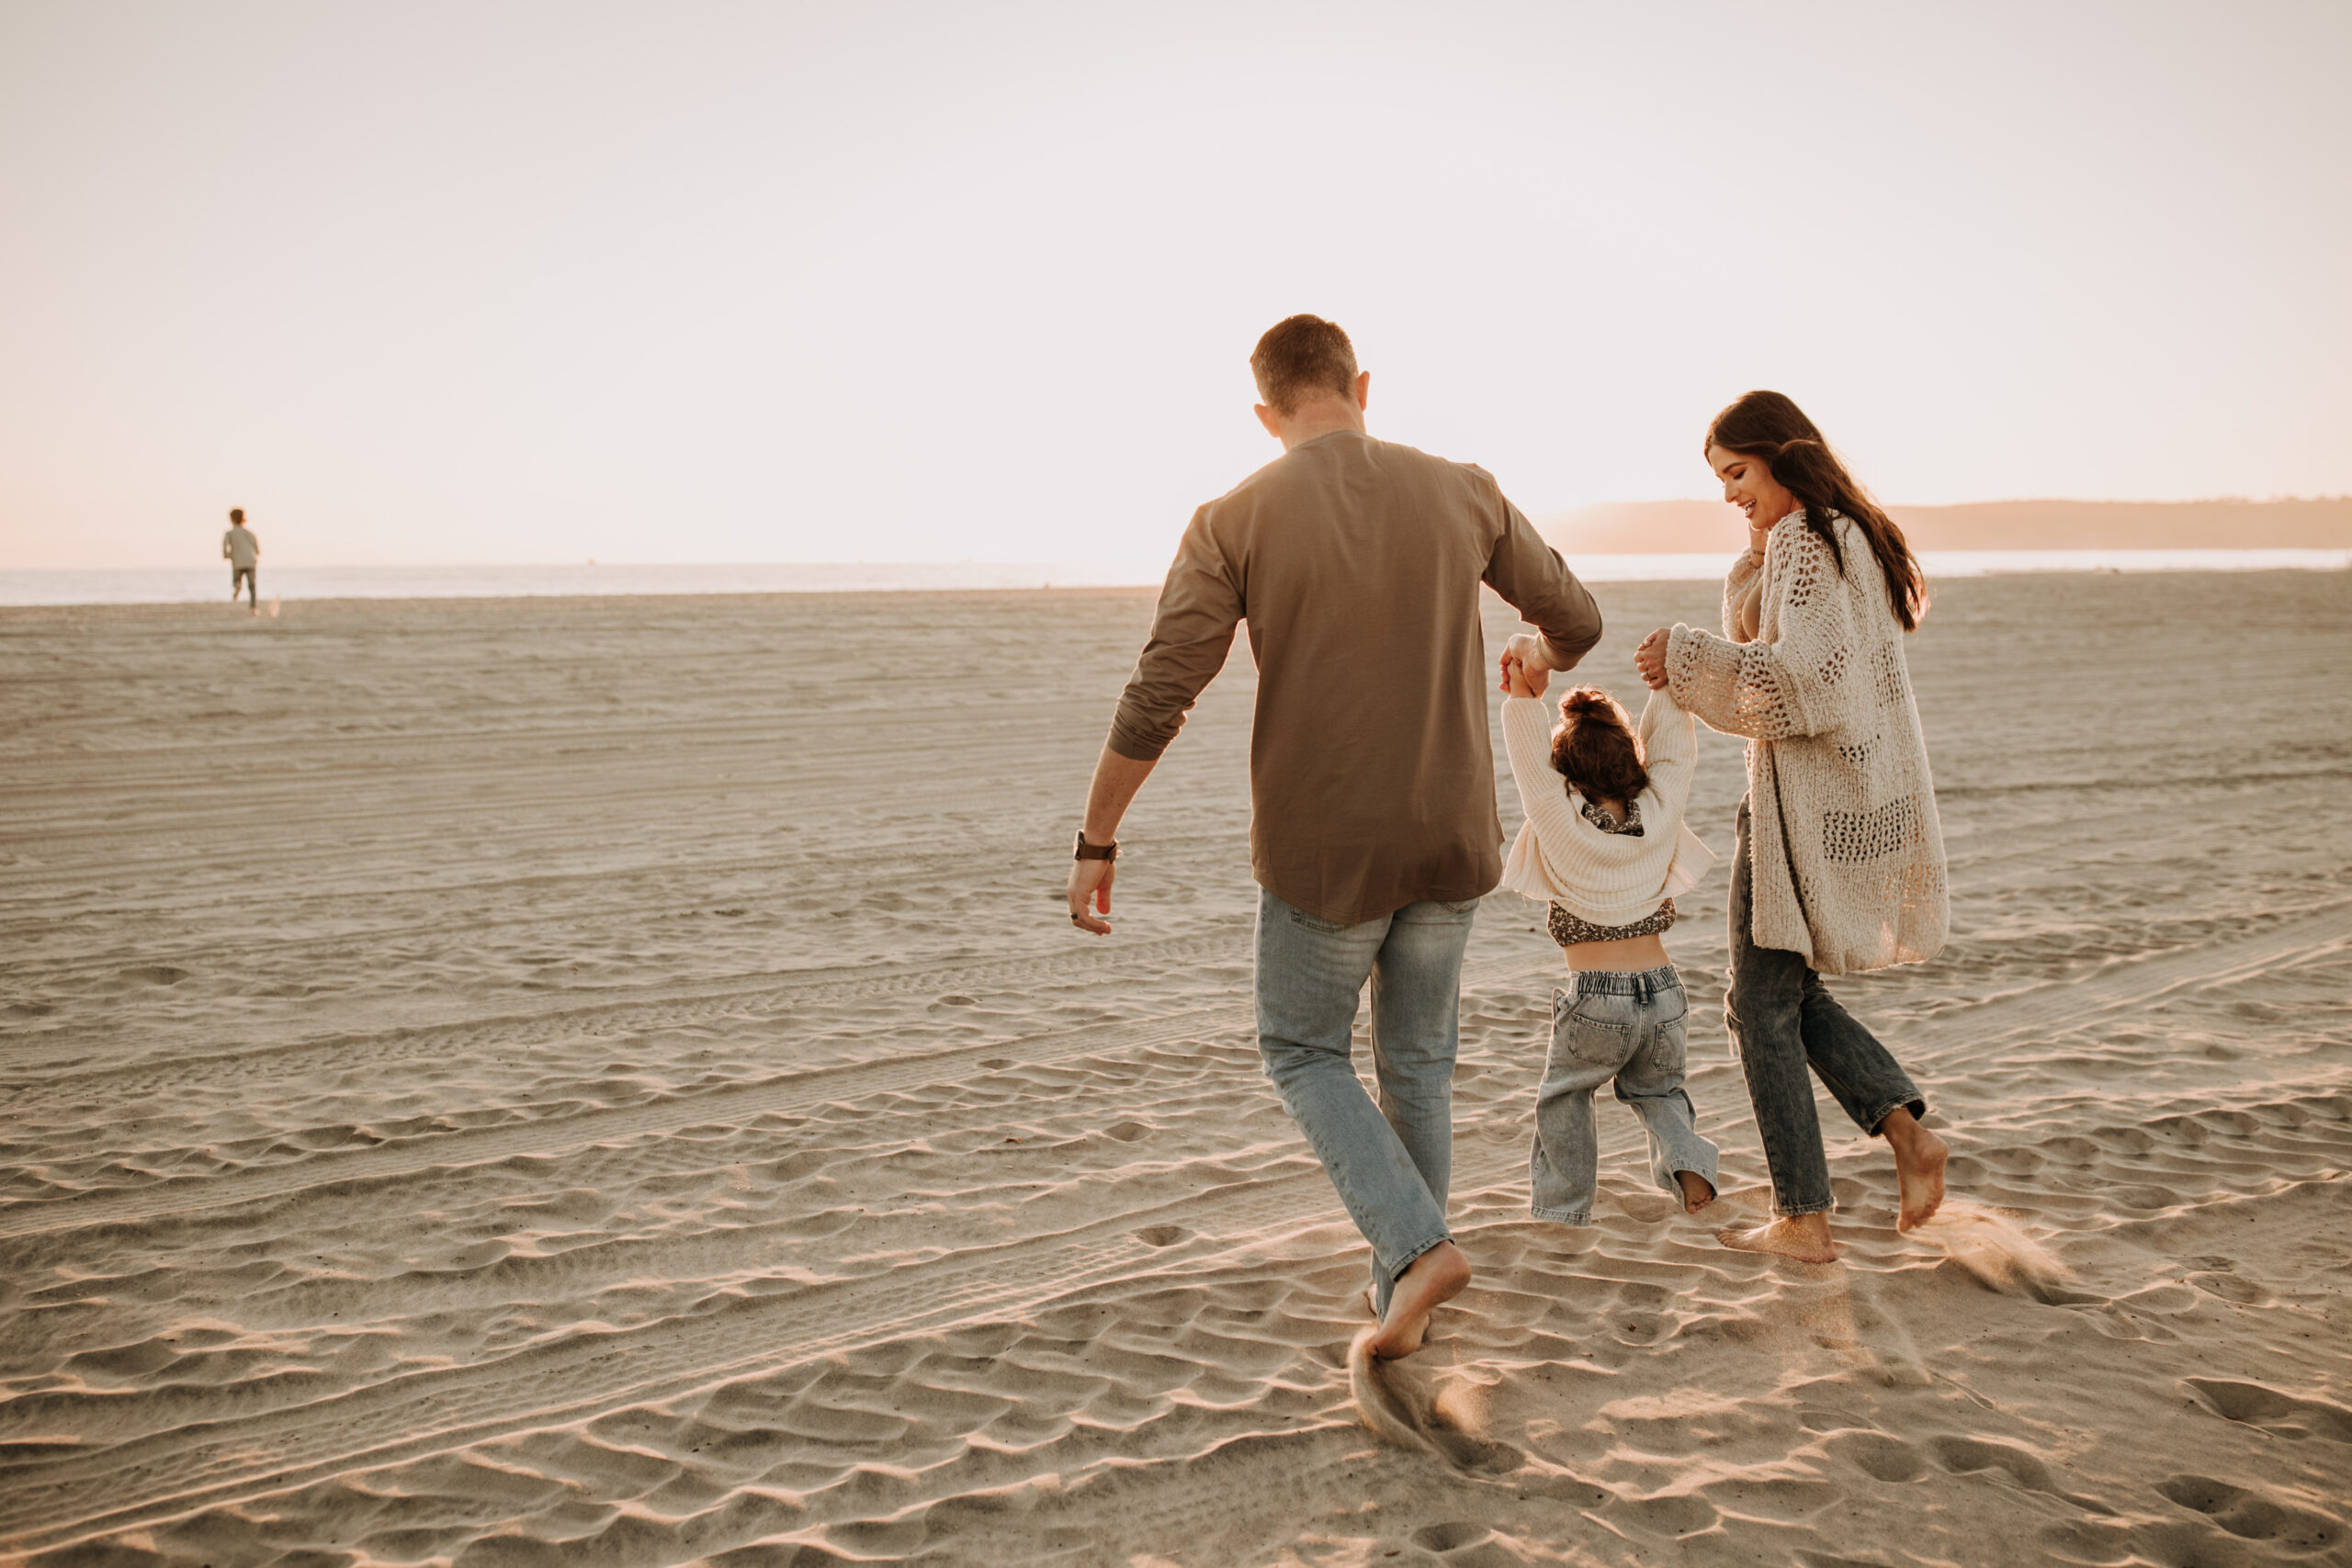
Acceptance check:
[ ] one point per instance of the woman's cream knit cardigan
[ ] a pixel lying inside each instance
(1608, 879)
(1848, 856)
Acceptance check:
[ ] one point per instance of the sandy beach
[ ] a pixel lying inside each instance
(609, 1081)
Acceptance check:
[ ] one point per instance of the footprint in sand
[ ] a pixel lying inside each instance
(1449, 1535)
(2228, 1286)
(2249, 1516)
(1877, 1455)
(1965, 1456)
(2253, 1404)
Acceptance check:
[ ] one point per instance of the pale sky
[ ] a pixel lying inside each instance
(697, 282)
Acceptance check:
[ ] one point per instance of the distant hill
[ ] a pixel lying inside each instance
(1641, 527)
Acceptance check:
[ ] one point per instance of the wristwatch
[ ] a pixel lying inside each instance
(1095, 852)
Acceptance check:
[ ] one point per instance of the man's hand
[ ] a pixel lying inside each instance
(1525, 651)
(1517, 683)
(1116, 779)
(1650, 658)
(1090, 881)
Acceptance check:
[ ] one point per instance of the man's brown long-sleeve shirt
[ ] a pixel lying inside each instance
(1357, 564)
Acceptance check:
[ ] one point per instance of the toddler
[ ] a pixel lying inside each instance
(1605, 843)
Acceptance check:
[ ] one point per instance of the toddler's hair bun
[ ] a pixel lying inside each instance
(1594, 747)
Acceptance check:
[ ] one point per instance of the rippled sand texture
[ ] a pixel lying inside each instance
(609, 1082)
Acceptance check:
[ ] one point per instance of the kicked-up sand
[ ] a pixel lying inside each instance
(611, 1082)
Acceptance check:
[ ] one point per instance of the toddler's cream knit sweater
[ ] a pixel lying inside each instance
(1848, 855)
(1608, 879)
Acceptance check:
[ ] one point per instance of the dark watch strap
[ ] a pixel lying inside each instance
(1095, 852)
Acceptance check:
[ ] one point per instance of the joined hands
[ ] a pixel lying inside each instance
(1650, 658)
(1524, 668)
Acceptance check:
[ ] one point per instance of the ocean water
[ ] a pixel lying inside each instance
(189, 585)
(180, 585)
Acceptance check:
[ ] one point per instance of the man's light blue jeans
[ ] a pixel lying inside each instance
(1391, 1162)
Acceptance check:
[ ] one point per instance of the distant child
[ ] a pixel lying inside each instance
(1605, 843)
(243, 552)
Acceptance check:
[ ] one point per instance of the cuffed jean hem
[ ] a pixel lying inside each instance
(1561, 1216)
(1413, 1257)
(1799, 1211)
(1876, 1125)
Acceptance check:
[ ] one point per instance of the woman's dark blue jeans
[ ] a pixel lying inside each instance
(1782, 1018)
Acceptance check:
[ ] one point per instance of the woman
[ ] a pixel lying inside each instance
(1840, 863)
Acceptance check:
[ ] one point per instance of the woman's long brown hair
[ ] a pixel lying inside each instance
(1769, 426)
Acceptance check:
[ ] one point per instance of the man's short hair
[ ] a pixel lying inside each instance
(1299, 356)
(236, 514)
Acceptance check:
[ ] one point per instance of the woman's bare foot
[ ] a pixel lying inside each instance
(1696, 1192)
(1430, 1281)
(1919, 1158)
(1804, 1237)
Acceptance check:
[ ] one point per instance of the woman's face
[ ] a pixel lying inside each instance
(1748, 484)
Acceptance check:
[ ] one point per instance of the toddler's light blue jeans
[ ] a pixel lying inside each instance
(1628, 1027)
(1391, 1162)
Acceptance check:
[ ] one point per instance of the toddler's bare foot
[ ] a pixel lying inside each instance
(1430, 1281)
(1696, 1192)
(1919, 1158)
(1804, 1237)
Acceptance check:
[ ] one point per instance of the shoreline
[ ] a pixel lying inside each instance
(314, 585)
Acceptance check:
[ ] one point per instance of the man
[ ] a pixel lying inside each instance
(243, 552)
(1372, 830)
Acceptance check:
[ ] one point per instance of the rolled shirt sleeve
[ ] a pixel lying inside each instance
(1535, 582)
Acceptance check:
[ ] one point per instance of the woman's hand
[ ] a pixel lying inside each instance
(1650, 658)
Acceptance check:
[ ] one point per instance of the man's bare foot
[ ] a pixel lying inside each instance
(1434, 1277)
(1696, 1192)
(1804, 1237)
(1919, 1158)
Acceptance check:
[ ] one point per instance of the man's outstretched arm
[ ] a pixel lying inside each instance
(1192, 632)
(1117, 780)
